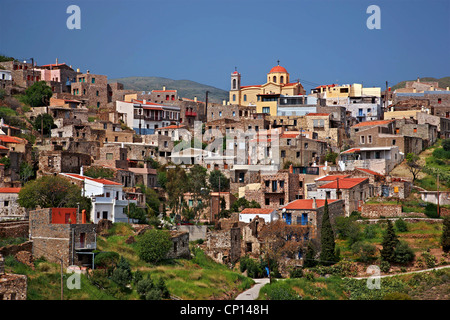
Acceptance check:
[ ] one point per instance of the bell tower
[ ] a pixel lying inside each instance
(235, 90)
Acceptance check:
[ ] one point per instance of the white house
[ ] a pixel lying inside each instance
(248, 214)
(145, 117)
(108, 199)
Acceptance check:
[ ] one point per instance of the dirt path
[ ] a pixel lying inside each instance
(253, 292)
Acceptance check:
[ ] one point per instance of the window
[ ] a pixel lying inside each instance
(281, 201)
(288, 142)
(234, 113)
(439, 100)
(369, 139)
(283, 153)
(298, 154)
(6, 204)
(274, 186)
(96, 93)
(306, 145)
(267, 201)
(393, 142)
(245, 97)
(281, 183)
(362, 139)
(266, 109)
(275, 79)
(220, 113)
(93, 80)
(234, 97)
(109, 156)
(415, 130)
(328, 194)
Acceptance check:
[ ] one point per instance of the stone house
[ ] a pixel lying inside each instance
(326, 128)
(63, 234)
(57, 160)
(308, 213)
(353, 191)
(224, 246)
(91, 88)
(295, 148)
(425, 131)
(9, 208)
(180, 245)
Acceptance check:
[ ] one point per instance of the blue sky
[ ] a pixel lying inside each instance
(320, 42)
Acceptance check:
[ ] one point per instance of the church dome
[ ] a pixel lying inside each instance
(278, 69)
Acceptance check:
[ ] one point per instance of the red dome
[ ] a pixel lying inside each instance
(278, 69)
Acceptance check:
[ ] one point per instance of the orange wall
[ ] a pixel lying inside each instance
(59, 215)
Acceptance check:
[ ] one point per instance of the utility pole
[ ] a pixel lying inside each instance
(206, 104)
(386, 98)
(62, 281)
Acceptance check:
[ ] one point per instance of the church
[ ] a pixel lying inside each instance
(278, 84)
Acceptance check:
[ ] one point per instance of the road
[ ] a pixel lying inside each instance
(253, 292)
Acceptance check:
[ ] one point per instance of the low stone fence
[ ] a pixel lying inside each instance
(376, 211)
(13, 249)
(14, 229)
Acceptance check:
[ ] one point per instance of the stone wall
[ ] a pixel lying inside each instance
(14, 229)
(196, 232)
(224, 246)
(12, 286)
(376, 211)
(180, 245)
(14, 249)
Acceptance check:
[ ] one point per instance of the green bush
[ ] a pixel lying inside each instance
(430, 260)
(106, 259)
(401, 225)
(403, 253)
(279, 290)
(370, 232)
(440, 153)
(431, 210)
(153, 245)
(296, 273)
(366, 251)
(385, 266)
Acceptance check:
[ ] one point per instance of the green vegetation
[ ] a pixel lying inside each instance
(44, 123)
(437, 163)
(153, 245)
(99, 172)
(443, 82)
(328, 254)
(52, 192)
(37, 95)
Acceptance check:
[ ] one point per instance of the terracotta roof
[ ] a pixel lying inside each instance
(317, 114)
(278, 69)
(174, 126)
(370, 171)
(346, 183)
(9, 190)
(288, 134)
(257, 211)
(372, 123)
(352, 150)
(333, 177)
(306, 204)
(8, 126)
(9, 139)
(102, 181)
(3, 148)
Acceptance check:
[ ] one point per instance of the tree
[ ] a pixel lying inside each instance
(176, 187)
(153, 245)
(38, 94)
(403, 253)
(136, 213)
(214, 177)
(99, 172)
(151, 199)
(327, 253)
(122, 273)
(44, 121)
(389, 243)
(197, 185)
(310, 256)
(446, 144)
(52, 192)
(445, 237)
(26, 172)
(412, 163)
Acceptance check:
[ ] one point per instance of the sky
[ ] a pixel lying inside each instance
(317, 41)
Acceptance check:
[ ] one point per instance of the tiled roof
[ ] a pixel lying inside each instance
(9, 139)
(9, 190)
(352, 150)
(346, 183)
(102, 181)
(372, 123)
(306, 204)
(370, 171)
(317, 114)
(174, 126)
(256, 211)
(333, 177)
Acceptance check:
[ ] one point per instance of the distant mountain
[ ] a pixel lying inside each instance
(186, 88)
(443, 82)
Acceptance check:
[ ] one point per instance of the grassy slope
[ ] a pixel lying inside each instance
(186, 88)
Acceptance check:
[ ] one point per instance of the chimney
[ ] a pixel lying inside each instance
(195, 98)
(56, 61)
(87, 71)
(83, 216)
(224, 102)
(291, 168)
(144, 101)
(314, 204)
(81, 171)
(164, 88)
(78, 69)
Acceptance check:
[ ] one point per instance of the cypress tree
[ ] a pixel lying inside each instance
(309, 260)
(389, 243)
(327, 254)
(445, 238)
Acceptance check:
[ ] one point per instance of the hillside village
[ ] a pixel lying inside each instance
(272, 162)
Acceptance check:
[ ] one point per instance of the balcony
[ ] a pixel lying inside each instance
(85, 245)
(191, 114)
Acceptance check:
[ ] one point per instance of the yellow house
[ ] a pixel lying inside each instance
(278, 83)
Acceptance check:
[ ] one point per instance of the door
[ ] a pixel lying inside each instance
(385, 191)
(304, 219)
(82, 240)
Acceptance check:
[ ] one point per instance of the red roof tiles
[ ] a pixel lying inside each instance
(10, 190)
(306, 204)
(257, 211)
(346, 183)
(102, 181)
(333, 177)
(372, 123)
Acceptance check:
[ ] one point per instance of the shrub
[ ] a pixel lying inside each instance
(122, 274)
(296, 273)
(401, 225)
(431, 210)
(280, 291)
(403, 253)
(430, 260)
(150, 290)
(370, 232)
(385, 266)
(366, 251)
(107, 259)
(445, 237)
(153, 245)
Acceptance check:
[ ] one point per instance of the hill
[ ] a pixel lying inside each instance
(186, 88)
(443, 82)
